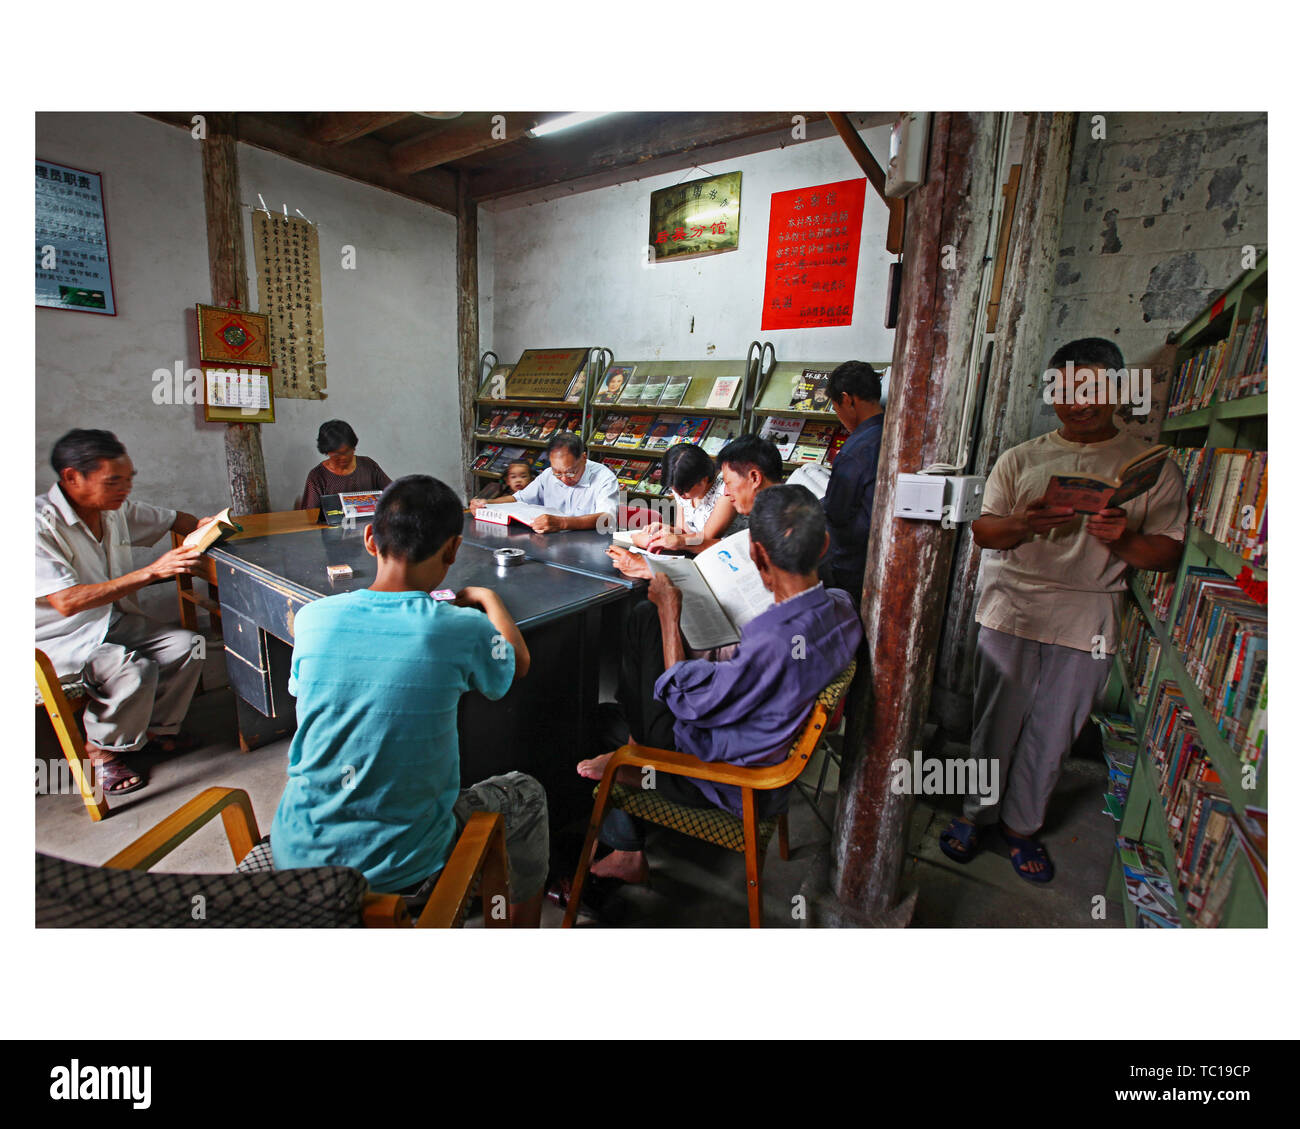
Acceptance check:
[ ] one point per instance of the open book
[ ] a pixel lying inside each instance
(1089, 494)
(208, 535)
(521, 512)
(721, 591)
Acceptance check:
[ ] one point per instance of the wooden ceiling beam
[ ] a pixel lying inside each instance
(337, 128)
(463, 139)
(627, 141)
(364, 159)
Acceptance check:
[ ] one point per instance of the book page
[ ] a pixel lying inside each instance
(734, 579)
(704, 623)
(520, 511)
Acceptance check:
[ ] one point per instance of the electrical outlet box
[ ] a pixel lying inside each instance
(919, 496)
(965, 494)
(938, 497)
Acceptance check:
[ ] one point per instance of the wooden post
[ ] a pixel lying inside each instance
(908, 561)
(467, 331)
(245, 466)
(1014, 388)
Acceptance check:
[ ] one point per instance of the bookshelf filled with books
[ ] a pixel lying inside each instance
(793, 410)
(640, 409)
(519, 407)
(1193, 658)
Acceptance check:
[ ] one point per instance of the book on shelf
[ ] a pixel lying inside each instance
(1140, 650)
(631, 394)
(521, 512)
(506, 456)
(721, 591)
(1234, 367)
(486, 456)
(809, 391)
(675, 390)
(545, 425)
(541, 462)
(720, 433)
(1090, 494)
(722, 394)
(608, 430)
(633, 471)
(510, 422)
(814, 442)
(576, 385)
(634, 434)
(688, 429)
(660, 433)
(837, 442)
(614, 464)
(652, 389)
(784, 432)
(521, 427)
(613, 385)
(653, 482)
(1147, 886)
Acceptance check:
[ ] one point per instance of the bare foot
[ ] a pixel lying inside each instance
(627, 866)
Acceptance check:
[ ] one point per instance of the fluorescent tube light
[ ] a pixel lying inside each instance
(565, 121)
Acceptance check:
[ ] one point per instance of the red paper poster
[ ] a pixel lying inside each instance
(812, 255)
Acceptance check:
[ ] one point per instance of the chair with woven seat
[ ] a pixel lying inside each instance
(746, 834)
(122, 893)
(58, 698)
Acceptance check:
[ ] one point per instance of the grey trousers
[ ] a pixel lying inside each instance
(141, 678)
(1031, 701)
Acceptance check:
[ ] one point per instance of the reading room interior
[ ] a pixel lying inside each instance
(651, 519)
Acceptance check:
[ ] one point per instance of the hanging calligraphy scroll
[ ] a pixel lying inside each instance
(287, 255)
(813, 238)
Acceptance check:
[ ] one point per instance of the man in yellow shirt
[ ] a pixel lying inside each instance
(1049, 612)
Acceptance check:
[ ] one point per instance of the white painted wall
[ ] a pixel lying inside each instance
(390, 325)
(569, 271)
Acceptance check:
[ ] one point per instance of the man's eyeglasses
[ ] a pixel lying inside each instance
(573, 474)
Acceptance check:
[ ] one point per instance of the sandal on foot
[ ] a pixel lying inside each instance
(1025, 851)
(960, 840)
(108, 774)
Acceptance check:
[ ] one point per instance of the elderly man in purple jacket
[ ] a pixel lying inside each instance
(747, 709)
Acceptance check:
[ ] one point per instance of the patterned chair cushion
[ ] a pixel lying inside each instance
(713, 825)
(69, 894)
(259, 860)
(72, 690)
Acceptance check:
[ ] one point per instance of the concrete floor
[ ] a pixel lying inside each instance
(691, 884)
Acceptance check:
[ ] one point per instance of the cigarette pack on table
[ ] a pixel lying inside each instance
(338, 572)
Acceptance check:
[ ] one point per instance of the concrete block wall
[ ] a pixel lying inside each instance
(1157, 217)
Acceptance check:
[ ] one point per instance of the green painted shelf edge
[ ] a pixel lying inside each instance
(1226, 763)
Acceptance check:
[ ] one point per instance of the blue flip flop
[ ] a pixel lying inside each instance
(1030, 850)
(963, 833)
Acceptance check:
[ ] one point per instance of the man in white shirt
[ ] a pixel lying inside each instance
(140, 674)
(584, 492)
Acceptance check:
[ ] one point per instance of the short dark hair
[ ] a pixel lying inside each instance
(333, 434)
(566, 441)
(789, 523)
(747, 451)
(415, 517)
(685, 465)
(83, 449)
(1088, 352)
(855, 378)
(517, 462)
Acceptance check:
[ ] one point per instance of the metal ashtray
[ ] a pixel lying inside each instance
(505, 557)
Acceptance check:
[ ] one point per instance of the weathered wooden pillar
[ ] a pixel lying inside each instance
(245, 466)
(1014, 387)
(908, 561)
(467, 332)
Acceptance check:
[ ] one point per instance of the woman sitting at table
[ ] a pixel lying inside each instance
(343, 471)
(518, 474)
(706, 514)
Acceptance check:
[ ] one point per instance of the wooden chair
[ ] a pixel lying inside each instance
(58, 698)
(747, 835)
(76, 895)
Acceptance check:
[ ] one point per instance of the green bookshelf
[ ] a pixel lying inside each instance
(1240, 423)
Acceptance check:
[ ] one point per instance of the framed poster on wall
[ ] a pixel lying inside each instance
(700, 217)
(72, 267)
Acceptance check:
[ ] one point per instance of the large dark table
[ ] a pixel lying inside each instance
(559, 596)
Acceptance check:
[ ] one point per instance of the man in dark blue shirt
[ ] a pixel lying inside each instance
(854, 389)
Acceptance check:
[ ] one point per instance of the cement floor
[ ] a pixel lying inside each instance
(692, 885)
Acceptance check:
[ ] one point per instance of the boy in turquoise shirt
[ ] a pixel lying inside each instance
(374, 768)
